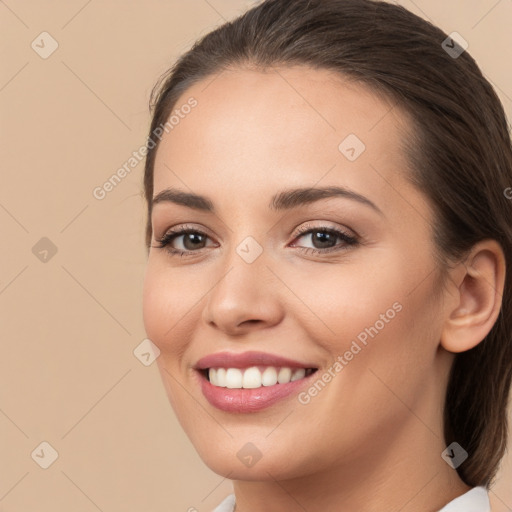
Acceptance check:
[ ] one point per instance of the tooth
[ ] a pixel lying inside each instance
(221, 377)
(233, 378)
(284, 375)
(269, 376)
(299, 373)
(252, 378)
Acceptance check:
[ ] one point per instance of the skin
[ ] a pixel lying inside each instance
(372, 438)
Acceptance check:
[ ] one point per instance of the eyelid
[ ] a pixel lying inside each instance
(177, 228)
(323, 224)
(301, 230)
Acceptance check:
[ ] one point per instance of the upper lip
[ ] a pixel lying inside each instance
(247, 359)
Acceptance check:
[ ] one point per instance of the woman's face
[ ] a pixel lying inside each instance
(272, 275)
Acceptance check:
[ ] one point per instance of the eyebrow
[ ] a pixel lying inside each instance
(284, 200)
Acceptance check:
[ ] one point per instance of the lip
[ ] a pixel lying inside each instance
(249, 400)
(248, 359)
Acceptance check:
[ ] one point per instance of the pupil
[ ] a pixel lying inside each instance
(189, 238)
(324, 237)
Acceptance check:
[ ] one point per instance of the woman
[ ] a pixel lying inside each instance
(329, 235)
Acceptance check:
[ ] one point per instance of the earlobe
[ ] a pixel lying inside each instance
(478, 298)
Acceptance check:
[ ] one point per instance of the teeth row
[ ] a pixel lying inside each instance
(252, 377)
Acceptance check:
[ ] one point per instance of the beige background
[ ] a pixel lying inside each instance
(69, 325)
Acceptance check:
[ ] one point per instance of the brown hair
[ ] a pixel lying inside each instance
(459, 149)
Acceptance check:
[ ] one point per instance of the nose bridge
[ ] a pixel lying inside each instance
(243, 289)
(244, 267)
(247, 242)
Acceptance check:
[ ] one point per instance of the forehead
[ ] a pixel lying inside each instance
(254, 130)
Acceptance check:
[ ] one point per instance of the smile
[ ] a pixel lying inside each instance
(254, 377)
(250, 381)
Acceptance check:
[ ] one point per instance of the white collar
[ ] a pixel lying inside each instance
(475, 500)
(227, 505)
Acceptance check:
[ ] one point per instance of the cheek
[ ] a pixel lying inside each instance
(153, 296)
(355, 299)
(169, 322)
(167, 304)
(388, 341)
(386, 338)
(377, 316)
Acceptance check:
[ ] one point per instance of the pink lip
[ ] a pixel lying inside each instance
(249, 400)
(247, 359)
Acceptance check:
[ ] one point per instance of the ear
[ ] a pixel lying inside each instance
(476, 298)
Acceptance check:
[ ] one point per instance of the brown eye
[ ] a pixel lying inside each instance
(192, 241)
(324, 239)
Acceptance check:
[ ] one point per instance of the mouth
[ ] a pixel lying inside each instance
(254, 377)
(251, 389)
(249, 381)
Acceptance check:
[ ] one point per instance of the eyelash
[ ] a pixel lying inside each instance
(349, 240)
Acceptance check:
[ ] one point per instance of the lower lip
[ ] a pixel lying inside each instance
(249, 400)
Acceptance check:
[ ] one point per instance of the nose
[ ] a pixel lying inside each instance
(244, 297)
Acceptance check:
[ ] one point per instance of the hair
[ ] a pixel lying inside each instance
(458, 147)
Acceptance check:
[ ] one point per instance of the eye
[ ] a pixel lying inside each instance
(324, 239)
(192, 240)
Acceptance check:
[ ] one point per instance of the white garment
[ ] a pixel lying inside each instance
(228, 505)
(475, 500)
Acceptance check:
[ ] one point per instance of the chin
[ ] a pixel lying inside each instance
(229, 462)
(234, 470)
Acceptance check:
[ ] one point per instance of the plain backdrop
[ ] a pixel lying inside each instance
(71, 265)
